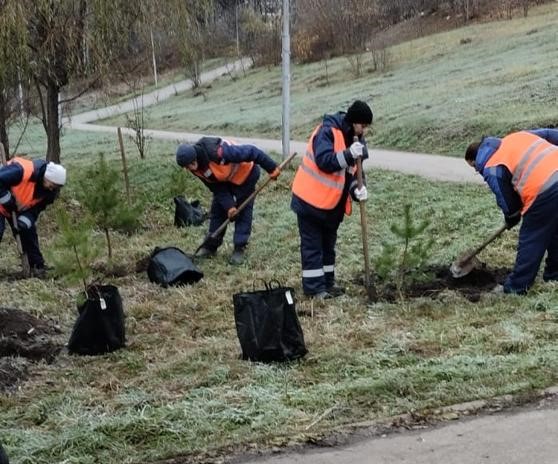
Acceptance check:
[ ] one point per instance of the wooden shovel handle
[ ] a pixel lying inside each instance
(484, 244)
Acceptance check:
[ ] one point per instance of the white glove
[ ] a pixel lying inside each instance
(356, 149)
(361, 194)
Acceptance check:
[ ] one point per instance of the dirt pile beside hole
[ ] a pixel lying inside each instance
(24, 338)
(471, 286)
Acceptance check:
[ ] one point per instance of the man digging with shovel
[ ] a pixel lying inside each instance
(522, 171)
(27, 187)
(231, 172)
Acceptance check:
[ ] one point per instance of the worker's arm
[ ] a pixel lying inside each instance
(10, 176)
(499, 179)
(550, 135)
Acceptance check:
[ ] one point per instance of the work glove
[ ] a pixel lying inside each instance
(361, 194)
(356, 149)
(275, 173)
(512, 219)
(24, 222)
(231, 213)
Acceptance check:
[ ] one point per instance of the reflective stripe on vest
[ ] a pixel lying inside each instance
(235, 173)
(23, 192)
(532, 162)
(318, 188)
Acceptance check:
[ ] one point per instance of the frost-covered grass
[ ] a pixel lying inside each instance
(437, 95)
(180, 387)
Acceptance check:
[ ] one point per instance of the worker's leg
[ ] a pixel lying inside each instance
(535, 236)
(243, 221)
(2, 226)
(217, 215)
(30, 244)
(329, 239)
(311, 240)
(551, 265)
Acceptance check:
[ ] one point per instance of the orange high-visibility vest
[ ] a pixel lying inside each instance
(235, 173)
(23, 192)
(532, 162)
(318, 188)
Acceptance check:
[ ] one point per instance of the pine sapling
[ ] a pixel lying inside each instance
(105, 201)
(75, 249)
(409, 254)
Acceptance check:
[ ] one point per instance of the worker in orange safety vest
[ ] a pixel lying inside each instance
(322, 190)
(522, 171)
(230, 172)
(28, 187)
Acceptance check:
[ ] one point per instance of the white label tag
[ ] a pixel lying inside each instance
(289, 297)
(103, 303)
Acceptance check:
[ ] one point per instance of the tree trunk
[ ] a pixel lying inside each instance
(3, 125)
(52, 127)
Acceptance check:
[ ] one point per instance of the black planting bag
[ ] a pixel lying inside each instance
(188, 214)
(267, 325)
(3, 456)
(99, 327)
(170, 266)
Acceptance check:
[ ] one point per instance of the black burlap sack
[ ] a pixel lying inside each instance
(170, 266)
(188, 214)
(99, 327)
(267, 325)
(3, 456)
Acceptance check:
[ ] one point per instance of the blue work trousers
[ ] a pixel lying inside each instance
(242, 222)
(538, 235)
(317, 252)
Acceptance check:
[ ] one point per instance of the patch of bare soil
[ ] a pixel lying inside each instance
(471, 286)
(24, 339)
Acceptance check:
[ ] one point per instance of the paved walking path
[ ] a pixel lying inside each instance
(443, 168)
(524, 436)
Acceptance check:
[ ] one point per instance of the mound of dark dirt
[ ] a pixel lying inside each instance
(25, 336)
(471, 286)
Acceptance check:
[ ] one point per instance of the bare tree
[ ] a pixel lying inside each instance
(189, 21)
(71, 39)
(13, 51)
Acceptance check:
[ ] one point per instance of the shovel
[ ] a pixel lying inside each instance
(370, 288)
(222, 227)
(26, 270)
(466, 263)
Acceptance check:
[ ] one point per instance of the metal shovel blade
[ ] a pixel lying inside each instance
(460, 268)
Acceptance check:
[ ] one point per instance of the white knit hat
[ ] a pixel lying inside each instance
(55, 173)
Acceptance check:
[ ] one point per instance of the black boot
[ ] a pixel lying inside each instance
(238, 256)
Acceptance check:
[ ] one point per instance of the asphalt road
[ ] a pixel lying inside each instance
(528, 435)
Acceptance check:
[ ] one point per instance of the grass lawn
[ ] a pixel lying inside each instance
(180, 388)
(436, 96)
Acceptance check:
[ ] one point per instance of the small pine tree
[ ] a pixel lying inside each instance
(76, 249)
(178, 182)
(102, 196)
(410, 253)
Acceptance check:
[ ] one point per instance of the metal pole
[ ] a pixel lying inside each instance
(286, 59)
(153, 57)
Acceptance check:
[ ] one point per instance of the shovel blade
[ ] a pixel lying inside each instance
(460, 268)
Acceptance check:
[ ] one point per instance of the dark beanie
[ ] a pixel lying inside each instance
(359, 113)
(185, 154)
